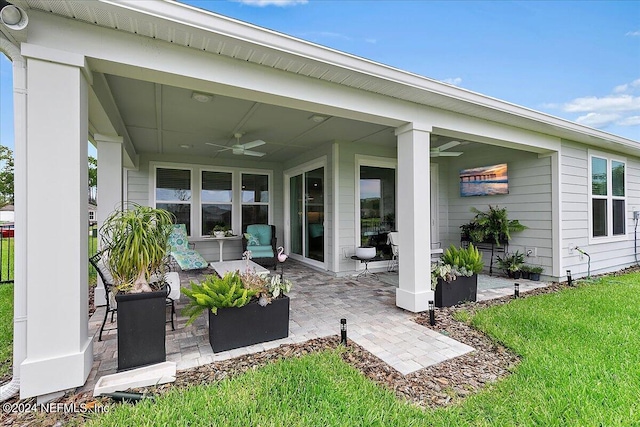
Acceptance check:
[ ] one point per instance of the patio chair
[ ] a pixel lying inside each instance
(99, 262)
(392, 240)
(186, 257)
(261, 240)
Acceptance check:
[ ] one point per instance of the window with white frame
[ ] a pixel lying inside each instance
(608, 196)
(217, 200)
(173, 193)
(255, 199)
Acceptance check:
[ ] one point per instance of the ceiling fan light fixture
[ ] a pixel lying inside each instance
(318, 118)
(201, 97)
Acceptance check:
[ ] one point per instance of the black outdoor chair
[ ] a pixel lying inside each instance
(98, 262)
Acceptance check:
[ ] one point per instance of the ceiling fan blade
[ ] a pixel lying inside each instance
(446, 154)
(221, 146)
(448, 145)
(253, 144)
(253, 153)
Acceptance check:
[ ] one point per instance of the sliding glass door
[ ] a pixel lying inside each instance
(377, 207)
(306, 214)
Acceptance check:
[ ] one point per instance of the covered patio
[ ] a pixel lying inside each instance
(318, 301)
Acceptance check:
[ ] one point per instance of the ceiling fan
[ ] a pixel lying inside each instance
(244, 149)
(441, 151)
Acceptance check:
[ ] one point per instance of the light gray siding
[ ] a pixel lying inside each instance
(529, 199)
(606, 256)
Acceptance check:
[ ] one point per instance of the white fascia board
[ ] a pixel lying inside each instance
(197, 18)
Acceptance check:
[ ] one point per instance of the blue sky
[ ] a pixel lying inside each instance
(575, 60)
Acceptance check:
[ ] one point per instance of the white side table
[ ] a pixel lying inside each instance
(221, 241)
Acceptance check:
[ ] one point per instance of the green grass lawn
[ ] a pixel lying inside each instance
(6, 328)
(580, 367)
(6, 258)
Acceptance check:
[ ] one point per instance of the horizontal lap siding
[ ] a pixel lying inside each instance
(606, 256)
(529, 199)
(138, 186)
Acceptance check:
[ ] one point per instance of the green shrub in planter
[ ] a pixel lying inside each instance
(216, 292)
(466, 261)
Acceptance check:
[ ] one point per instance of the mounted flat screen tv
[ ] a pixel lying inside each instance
(484, 181)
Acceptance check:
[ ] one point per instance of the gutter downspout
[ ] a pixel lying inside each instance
(20, 183)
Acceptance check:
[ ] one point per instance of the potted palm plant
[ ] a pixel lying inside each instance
(454, 278)
(135, 241)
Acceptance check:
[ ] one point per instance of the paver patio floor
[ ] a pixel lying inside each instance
(318, 302)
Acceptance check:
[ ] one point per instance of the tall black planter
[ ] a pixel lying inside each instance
(236, 327)
(141, 329)
(458, 291)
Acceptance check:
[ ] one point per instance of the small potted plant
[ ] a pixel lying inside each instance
(511, 264)
(454, 278)
(524, 271)
(219, 230)
(534, 272)
(134, 240)
(244, 309)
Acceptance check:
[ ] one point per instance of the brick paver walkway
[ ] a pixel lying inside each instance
(318, 302)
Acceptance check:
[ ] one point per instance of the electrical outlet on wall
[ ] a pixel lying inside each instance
(531, 252)
(572, 248)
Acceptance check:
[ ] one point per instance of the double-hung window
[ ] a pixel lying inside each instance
(173, 193)
(255, 199)
(217, 200)
(608, 196)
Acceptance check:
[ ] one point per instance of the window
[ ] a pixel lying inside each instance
(255, 199)
(173, 193)
(202, 197)
(608, 196)
(217, 200)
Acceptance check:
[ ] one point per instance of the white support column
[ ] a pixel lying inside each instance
(59, 349)
(109, 188)
(414, 223)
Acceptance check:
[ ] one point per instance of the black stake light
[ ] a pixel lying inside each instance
(569, 278)
(432, 313)
(516, 290)
(343, 331)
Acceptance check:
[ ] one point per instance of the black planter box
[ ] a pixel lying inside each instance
(141, 329)
(534, 276)
(457, 291)
(236, 327)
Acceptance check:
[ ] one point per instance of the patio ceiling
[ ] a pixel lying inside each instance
(167, 120)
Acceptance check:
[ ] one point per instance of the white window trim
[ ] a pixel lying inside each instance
(196, 188)
(609, 237)
(377, 162)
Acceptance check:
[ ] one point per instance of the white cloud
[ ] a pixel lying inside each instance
(633, 33)
(630, 121)
(453, 81)
(597, 119)
(620, 108)
(262, 3)
(618, 102)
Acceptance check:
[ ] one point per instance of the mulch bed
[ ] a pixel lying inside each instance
(437, 386)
